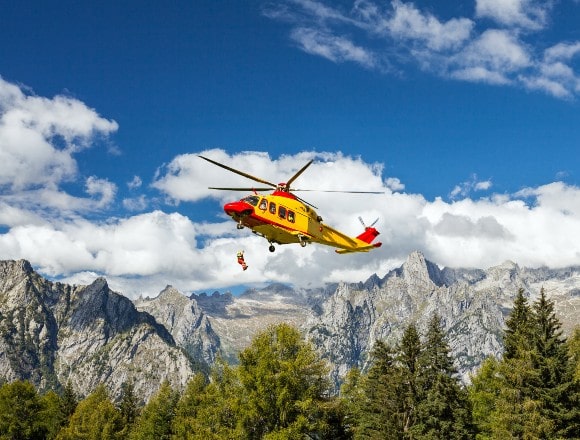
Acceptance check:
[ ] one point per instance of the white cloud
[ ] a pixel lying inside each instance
(101, 188)
(140, 254)
(135, 183)
(464, 189)
(139, 203)
(394, 184)
(495, 47)
(555, 74)
(495, 51)
(38, 137)
(528, 14)
(409, 23)
(333, 48)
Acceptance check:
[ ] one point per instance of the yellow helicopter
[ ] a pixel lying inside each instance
(283, 218)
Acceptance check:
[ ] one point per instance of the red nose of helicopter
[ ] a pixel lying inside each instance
(238, 209)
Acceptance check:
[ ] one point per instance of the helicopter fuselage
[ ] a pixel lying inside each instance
(282, 219)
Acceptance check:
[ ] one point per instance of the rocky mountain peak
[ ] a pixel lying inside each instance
(14, 266)
(420, 273)
(185, 320)
(171, 294)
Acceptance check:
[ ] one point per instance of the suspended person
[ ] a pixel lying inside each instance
(241, 260)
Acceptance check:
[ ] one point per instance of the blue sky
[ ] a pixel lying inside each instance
(465, 114)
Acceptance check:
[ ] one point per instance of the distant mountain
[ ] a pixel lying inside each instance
(185, 320)
(345, 320)
(53, 333)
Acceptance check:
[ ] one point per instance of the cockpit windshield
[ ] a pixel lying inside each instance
(252, 200)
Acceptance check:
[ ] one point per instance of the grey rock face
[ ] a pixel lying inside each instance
(51, 333)
(344, 321)
(187, 323)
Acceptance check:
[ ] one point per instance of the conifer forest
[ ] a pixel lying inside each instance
(279, 389)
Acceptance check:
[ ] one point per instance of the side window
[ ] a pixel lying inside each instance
(282, 212)
(272, 208)
(291, 216)
(263, 205)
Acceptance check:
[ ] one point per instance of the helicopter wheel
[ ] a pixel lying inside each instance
(271, 248)
(240, 226)
(302, 243)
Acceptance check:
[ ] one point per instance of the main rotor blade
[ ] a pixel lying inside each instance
(241, 173)
(339, 191)
(295, 176)
(241, 189)
(304, 201)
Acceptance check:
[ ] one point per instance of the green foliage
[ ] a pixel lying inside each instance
(284, 385)
(209, 410)
(443, 409)
(375, 400)
(95, 418)
(154, 422)
(68, 401)
(51, 414)
(20, 412)
(280, 391)
(574, 353)
(530, 392)
(409, 392)
(518, 335)
(129, 405)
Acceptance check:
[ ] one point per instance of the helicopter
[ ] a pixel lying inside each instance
(284, 218)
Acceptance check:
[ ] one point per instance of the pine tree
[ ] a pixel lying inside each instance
(555, 385)
(532, 388)
(484, 391)
(518, 332)
(443, 410)
(374, 400)
(69, 400)
(95, 418)
(128, 405)
(285, 386)
(154, 422)
(573, 345)
(409, 350)
(574, 352)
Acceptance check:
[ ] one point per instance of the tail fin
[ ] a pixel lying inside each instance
(368, 235)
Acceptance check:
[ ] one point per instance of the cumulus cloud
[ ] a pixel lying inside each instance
(39, 136)
(502, 44)
(141, 253)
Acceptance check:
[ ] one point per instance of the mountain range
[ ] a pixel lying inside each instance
(53, 333)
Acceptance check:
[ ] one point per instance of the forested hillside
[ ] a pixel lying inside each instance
(280, 390)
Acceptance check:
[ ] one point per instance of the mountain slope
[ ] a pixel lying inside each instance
(52, 333)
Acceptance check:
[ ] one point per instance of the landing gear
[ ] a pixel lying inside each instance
(239, 225)
(271, 248)
(302, 240)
